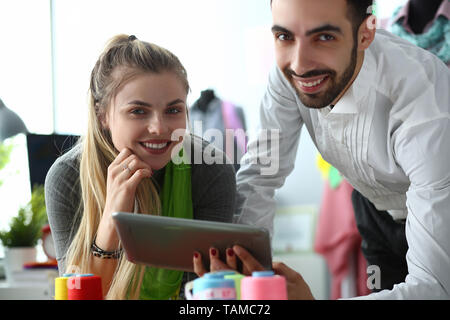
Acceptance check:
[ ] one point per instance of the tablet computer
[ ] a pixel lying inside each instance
(170, 243)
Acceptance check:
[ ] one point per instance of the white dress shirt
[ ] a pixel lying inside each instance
(389, 136)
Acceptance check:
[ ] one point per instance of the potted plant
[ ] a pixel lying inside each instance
(24, 232)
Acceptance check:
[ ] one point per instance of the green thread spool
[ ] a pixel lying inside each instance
(237, 283)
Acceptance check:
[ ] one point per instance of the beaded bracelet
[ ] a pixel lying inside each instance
(100, 253)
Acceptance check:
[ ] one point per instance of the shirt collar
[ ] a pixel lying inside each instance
(443, 10)
(348, 104)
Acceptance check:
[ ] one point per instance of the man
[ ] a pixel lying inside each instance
(377, 109)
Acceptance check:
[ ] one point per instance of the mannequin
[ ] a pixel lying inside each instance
(423, 27)
(214, 113)
(206, 96)
(421, 12)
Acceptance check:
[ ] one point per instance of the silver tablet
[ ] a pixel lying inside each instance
(170, 242)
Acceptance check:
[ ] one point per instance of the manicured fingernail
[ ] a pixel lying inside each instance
(213, 252)
(196, 255)
(230, 252)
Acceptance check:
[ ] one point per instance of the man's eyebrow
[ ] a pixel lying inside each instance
(277, 28)
(326, 27)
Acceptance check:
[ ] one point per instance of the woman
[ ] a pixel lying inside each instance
(124, 163)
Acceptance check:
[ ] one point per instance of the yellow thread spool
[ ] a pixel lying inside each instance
(61, 288)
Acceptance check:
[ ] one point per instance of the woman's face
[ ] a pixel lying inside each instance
(143, 115)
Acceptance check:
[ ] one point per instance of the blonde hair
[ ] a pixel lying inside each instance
(123, 57)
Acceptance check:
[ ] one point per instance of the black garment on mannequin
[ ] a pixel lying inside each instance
(421, 13)
(206, 97)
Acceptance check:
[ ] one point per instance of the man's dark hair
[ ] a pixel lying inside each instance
(358, 11)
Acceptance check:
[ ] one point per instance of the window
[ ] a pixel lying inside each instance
(25, 62)
(211, 38)
(25, 88)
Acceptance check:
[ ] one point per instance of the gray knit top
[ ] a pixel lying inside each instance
(213, 195)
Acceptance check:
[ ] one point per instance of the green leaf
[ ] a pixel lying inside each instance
(5, 153)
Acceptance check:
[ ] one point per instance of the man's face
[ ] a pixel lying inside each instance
(315, 48)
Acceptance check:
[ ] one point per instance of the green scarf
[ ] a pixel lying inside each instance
(176, 199)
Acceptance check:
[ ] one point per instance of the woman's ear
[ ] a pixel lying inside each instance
(366, 32)
(102, 117)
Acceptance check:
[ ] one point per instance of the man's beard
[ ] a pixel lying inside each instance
(324, 99)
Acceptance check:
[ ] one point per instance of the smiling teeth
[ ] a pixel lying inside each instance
(155, 146)
(312, 84)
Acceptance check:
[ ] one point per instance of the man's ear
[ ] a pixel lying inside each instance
(366, 33)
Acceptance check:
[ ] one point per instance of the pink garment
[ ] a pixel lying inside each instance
(233, 122)
(337, 239)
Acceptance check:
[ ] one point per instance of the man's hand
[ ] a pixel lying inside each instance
(297, 288)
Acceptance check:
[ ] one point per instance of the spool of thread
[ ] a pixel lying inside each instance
(263, 285)
(84, 287)
(68, 275)
(237, 278)
(213, 286)
(221, 274)
(61, 288)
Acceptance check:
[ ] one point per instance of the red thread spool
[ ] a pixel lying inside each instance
(84, 287)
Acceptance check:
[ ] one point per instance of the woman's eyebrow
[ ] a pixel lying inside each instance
(176, 101)
(139, 103)
(146, 104)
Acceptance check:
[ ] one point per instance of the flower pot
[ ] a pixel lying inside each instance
(15, 258)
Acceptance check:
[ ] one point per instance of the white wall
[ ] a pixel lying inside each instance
(217, 42)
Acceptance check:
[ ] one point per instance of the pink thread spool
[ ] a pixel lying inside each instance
(263, 285)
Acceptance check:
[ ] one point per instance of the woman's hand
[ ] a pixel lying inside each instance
(124, 175)
(249, 265)
(215, 263)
